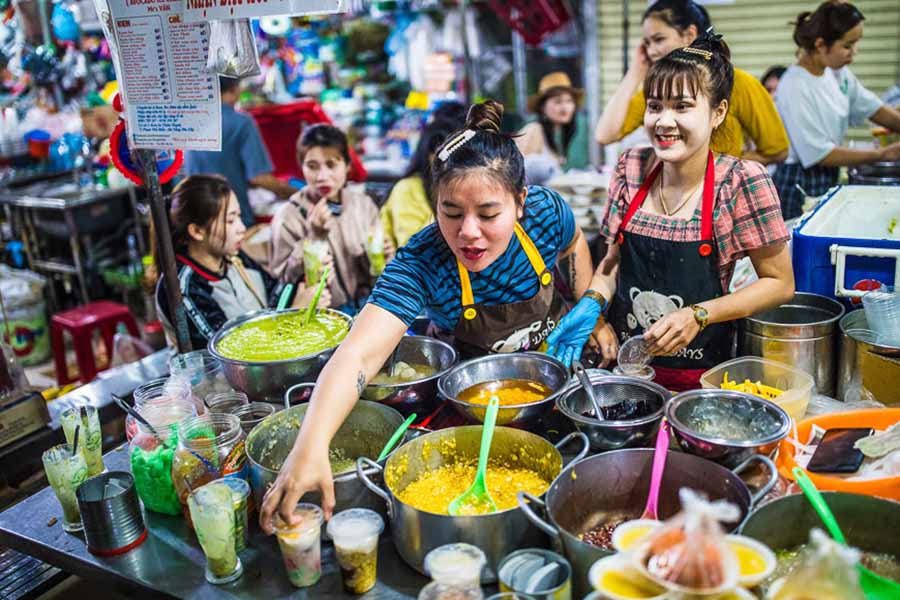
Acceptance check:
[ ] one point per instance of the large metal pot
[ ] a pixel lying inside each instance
(416, 532)
(611, 390)
(266, 381)
(365, 431)
(533, 366)
(880, 173)
(870, 524)
(801, 333)
(866, 370)
(584, 494)
(420, 396)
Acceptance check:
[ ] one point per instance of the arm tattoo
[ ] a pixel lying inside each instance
(360, 383)
(567, 270)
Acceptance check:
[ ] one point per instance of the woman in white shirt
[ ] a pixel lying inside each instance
(818, 98)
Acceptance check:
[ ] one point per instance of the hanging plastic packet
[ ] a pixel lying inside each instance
(689, 552)
(232, 49)
(825, 570)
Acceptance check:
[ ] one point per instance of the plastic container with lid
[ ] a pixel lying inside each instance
(163, 402)
(355, 535)
(301, 545)
(455, 570)
(209, 446)
(225, 402)
(796, 385)
(203, 373)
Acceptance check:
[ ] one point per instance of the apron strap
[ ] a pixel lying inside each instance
(534, 257)
(638, 201)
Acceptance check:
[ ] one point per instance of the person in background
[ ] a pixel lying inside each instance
(818, 98)
(679, 217)
(672, 24)
(243, 160)
(218, 281)
(409, 207)
(560, 132)
(328, 210)
(771, 78)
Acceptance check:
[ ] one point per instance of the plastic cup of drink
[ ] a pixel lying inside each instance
(301, 545)
(240, 489)
(375, 252)
(314, 253)
(212, 513)
(355, 535)
(90, 440)
(65, 473)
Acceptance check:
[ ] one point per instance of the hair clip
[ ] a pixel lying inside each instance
(451, 146)
(706, 54)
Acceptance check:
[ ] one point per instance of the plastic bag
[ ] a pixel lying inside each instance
(881, 443)
(826, 571)
(689, 552)
(128, 349)
(232, 49)
(823, 405)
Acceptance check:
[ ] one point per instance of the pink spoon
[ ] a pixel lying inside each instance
(659, 465)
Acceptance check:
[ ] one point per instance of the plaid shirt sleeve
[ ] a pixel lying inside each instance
(623, 186)
(750, 216)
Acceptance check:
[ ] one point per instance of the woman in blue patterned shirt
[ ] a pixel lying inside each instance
(483, 272)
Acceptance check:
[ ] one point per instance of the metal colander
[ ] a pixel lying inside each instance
(632, 409)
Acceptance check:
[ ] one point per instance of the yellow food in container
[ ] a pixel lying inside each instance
(758, 389)
(509, 392)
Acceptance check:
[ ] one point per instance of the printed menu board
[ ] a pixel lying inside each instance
(204, 10)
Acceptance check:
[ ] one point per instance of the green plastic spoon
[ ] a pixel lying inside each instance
(874, 586)
(396, 437)
(477, 495)
(285, 296)
(311, 310)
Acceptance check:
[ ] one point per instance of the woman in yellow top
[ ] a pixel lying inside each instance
(409, 207)
(672, 24)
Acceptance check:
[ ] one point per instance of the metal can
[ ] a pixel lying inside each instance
(541, 574)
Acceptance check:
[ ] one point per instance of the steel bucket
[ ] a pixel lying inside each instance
(801, 333)
(870, 524)
(364, 432)
(533, 366)
(111, 513)
(866, 371)
(421, 396)
(584, 493)
(266, 381)
(416, 532)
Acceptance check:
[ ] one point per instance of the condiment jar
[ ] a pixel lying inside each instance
(455, 570)
(151, 464)
(210, 446)
(162, 402)
(202, 372)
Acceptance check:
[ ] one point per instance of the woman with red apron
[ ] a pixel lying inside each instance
(678, 219)
(483, 274)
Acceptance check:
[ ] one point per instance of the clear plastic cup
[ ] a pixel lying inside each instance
(314, 255)
(375, 252)
(301, 545)
(202, 372)
(882, 308)
(90, 440)
(226, 402)
(66, 472)
(212, 513)
(633, 356)
(355, 535)
(253, 414)
(240, 489)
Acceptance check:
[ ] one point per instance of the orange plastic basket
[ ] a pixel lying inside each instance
(877, 418)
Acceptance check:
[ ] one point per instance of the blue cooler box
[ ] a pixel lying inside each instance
(849, 242)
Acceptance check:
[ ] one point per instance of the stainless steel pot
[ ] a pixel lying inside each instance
(364, 433)
(866, 370)
(266, 381)
(727, 452)
(416, 532)
(533, 366)
(420, 396)
(645, 396)
(801, 333)
(880, 173)
(586, 493)
(870, 524)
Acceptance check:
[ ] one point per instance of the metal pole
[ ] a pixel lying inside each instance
(147, 160)
(520, 74)
(624, 37)
(473, 87)
(592, 86)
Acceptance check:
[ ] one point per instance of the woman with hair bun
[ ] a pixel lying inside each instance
(672, 24)
(678, 218)
(483, 273)
(818, 98)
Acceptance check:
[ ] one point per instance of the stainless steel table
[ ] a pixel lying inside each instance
(170, 562)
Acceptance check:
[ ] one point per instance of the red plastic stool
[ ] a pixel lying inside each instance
(81, 323)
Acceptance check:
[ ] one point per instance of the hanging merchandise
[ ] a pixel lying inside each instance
(42, 63)
(275, 26)
(533, 20)
(65, 26)
(232, 49)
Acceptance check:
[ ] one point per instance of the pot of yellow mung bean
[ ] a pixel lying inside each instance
(424, 475)
(267, 351)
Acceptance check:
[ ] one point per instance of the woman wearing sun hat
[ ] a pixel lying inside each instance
(560, 132)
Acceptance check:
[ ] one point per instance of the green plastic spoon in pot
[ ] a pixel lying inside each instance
(477, 495)
(874, 586)
(396, 437)
(285, 296)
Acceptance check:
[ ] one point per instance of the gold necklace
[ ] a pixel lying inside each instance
(662, 198)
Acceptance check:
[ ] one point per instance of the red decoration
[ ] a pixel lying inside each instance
(121, 158)
(705, 249)
(117, 102)
(533, 19)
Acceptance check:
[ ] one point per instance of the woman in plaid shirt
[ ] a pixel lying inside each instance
(678, 219)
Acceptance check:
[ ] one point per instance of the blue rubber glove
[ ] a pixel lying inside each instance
(568, 339)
